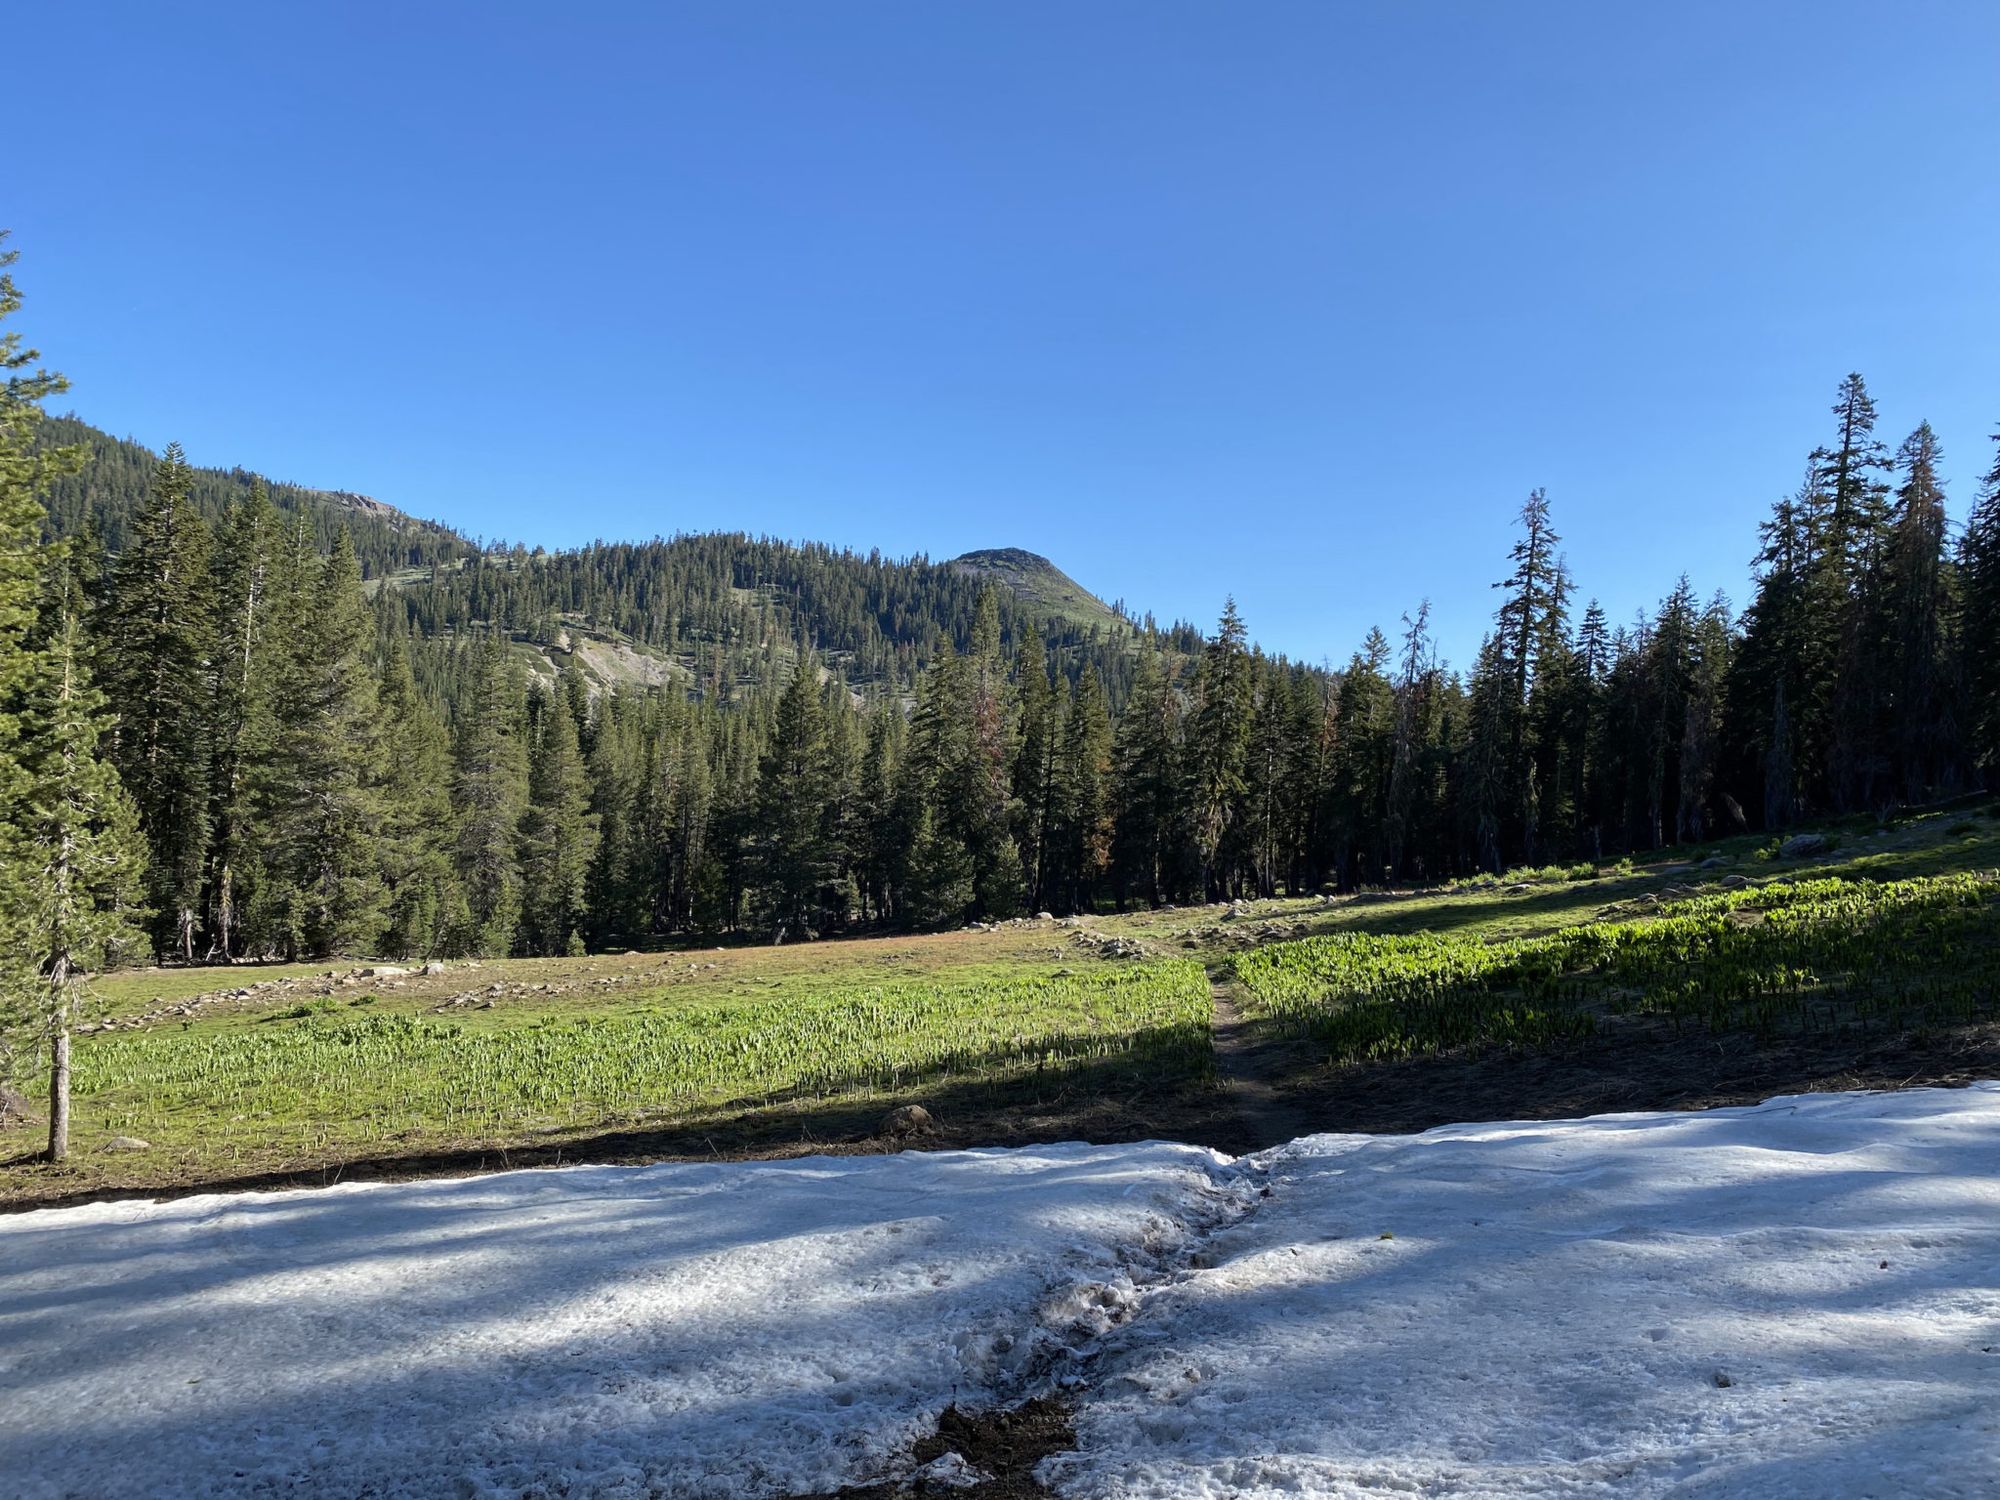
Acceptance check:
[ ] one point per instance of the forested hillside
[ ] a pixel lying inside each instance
(102, 496)
(338, 729)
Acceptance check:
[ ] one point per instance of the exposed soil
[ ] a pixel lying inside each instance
(1259, 1073)
(1003, 1445)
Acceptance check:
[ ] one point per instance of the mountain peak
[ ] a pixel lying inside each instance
(1039, 584)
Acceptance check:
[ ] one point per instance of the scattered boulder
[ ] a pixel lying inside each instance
(126, 1143)
(433, 967)
(908, 1119)
(382, 971)
(1800, 845)
(1715, 862)
(1734, 882)
(1045, 916)
(13, 1107)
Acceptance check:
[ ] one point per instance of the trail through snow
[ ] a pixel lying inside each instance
(1801, 1298)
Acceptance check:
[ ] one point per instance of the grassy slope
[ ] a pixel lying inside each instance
(300, 1067)
(1043, 586)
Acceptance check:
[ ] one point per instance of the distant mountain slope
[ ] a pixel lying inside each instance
(718, 614)
(1041, 586)
(115, 481)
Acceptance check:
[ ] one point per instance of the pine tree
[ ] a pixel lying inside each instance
(1911, 619)
(26, 470)
(1147, 845)
(489, 793)
(240, 715)
(1979, 632)
(317, 784)
(884, 842)
(1772, 679)
(558, 832)
(793, 859)
(1219, 743)
(1035, 767)
(1415, 697)
(615, 763)
(978, 785)
(158, 647)
(1081, 819)
(81, 852)
(1363, 763)
(1529, 620)
(938, 888)
(1840, 716)
(413, 846)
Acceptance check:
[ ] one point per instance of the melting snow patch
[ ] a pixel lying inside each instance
(717, 1330)
(1801, 1298)
(1797, 1299)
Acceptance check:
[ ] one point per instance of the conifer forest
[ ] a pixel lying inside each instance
(246, 719)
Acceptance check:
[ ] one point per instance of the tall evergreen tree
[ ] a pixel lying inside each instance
(1035, 764)
(1081, 818)
(26, 470)
(558, 833)
(1911, 620)
(1219, 744)
(239, 727)
(317, 785)
(1979, 635)
(1147, 848)
(423, 903)
(158, 646)
(793, 856)
(81, 853)
(489, 793)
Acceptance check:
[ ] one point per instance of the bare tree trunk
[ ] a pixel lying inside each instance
(59, 1091)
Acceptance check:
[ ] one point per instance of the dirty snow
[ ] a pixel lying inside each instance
(1801, 1298)
(727, 1330)
(1553, 1309)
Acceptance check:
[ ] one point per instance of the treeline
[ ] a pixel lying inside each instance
(314, 768)
(106, 483)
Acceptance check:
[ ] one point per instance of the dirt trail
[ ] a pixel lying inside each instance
(1253, 1070)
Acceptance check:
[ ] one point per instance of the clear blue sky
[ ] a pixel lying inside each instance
(1294, 301)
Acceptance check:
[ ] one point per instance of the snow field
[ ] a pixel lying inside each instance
(1796, 1299)
(727, 1330)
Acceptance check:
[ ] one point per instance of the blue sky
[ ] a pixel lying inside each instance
(1294, 301)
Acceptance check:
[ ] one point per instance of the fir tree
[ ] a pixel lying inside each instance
(158, 650)
(793, 856)
(1147, 846)
(80, 851)
(489, 793)
(1911, 613)
(1081, 818)
(240, 725)
(1035, 767)
(317, 785)
(26, 470)
(1218, 743)
(558, 832)
(422, 900)
(1979, 563)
